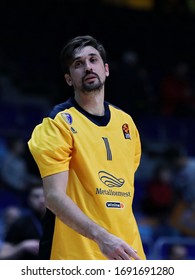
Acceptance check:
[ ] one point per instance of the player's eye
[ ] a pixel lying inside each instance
(77, 64)
(93, 59)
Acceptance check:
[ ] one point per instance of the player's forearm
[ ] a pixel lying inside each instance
(69, 213)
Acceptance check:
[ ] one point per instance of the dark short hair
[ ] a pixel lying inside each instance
(79, 42)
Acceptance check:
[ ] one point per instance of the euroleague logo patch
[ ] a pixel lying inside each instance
(115, 204)
(67, 117)
(126, 132)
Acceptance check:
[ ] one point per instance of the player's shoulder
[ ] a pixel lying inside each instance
(121, 115)
(114, 107)
(61, 107)
(118, 110)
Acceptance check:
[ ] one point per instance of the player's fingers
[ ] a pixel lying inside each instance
(133, 254)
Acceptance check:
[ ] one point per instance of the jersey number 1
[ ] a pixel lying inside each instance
(108, 150)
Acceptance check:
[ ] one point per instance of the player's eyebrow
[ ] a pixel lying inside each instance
(79, 57)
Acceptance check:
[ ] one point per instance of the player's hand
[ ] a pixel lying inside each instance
(115, 248)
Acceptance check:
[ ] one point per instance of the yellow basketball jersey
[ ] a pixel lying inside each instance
(102, 155)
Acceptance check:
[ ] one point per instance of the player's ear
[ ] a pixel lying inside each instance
(68, 79)
(107, 69)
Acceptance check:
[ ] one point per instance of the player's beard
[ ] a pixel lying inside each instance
(95, 86)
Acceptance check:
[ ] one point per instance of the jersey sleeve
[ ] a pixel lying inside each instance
(51, 147)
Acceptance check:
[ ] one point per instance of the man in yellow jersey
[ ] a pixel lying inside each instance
(87, 151)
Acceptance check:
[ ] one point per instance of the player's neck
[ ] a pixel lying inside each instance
(93, 102)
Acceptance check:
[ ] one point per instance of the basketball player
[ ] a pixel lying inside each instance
(87, 151)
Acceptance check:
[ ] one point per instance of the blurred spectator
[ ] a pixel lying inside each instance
(127, 80)
(11, 214)
(157, 203)
(4, 225)
(15, 175)
(177, 92)
(133, 79)
(183, 218)
(183, 172)
(159, 194)
(150, 159)
(178, 252)
(8, 215)
(21, 241)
